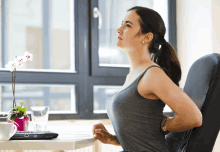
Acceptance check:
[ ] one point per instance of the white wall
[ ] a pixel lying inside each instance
(198, 31)
(194, 32)
(216, 26)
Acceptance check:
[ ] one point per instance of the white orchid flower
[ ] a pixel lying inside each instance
(28, 56)
(19, 60)
(11, 65)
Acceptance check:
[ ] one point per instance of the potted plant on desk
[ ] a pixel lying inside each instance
(17, 114)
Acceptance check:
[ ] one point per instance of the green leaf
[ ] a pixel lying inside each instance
(22, 103)
(14, 109)
(19, 108)
(24, 110)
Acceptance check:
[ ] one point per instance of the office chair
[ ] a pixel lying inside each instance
(203, 87)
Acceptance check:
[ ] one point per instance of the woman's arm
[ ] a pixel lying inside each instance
(188, 113)
(114, 141)
(177, 124)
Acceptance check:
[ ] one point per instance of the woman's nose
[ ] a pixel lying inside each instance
(119, 33)
(119, 30)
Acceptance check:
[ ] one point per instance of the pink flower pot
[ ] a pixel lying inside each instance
(22, 124)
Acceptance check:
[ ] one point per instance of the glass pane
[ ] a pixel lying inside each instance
(113, 13)
(102, 94)
(24, 32)
(62, 38)
(60, 98)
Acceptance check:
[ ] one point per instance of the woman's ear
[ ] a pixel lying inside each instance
(149, 37)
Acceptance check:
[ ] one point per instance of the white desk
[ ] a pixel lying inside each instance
(72, 135)
(62, 142)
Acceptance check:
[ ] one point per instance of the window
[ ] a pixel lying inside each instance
(69, 69)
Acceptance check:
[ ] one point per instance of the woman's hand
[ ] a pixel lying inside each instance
(164, 118)
(100, 133)
(162, 123)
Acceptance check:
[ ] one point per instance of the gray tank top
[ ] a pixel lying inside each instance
(136, 120)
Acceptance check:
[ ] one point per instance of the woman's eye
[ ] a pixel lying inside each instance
(127, 25)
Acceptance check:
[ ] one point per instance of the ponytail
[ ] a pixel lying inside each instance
(166, 58)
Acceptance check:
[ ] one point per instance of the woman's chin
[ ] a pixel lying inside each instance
(118, 46)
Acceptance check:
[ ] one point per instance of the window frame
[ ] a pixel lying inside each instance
(88, 73)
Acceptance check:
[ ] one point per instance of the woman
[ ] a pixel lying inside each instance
(136, 111)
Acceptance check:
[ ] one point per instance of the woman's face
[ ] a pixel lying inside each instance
(128, 31)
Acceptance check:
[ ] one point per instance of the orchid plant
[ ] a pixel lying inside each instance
(17, 111)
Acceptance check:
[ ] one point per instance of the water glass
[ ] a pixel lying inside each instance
(39, 116)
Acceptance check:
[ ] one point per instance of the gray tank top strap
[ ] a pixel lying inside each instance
(137, 79)
(149, 68)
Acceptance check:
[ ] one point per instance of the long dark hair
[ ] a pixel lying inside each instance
(165, 57)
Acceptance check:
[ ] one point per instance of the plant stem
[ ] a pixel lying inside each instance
(13, 87)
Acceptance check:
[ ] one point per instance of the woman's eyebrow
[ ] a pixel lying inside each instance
(127, 22)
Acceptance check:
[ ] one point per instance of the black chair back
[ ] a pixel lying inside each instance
(203, 87)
